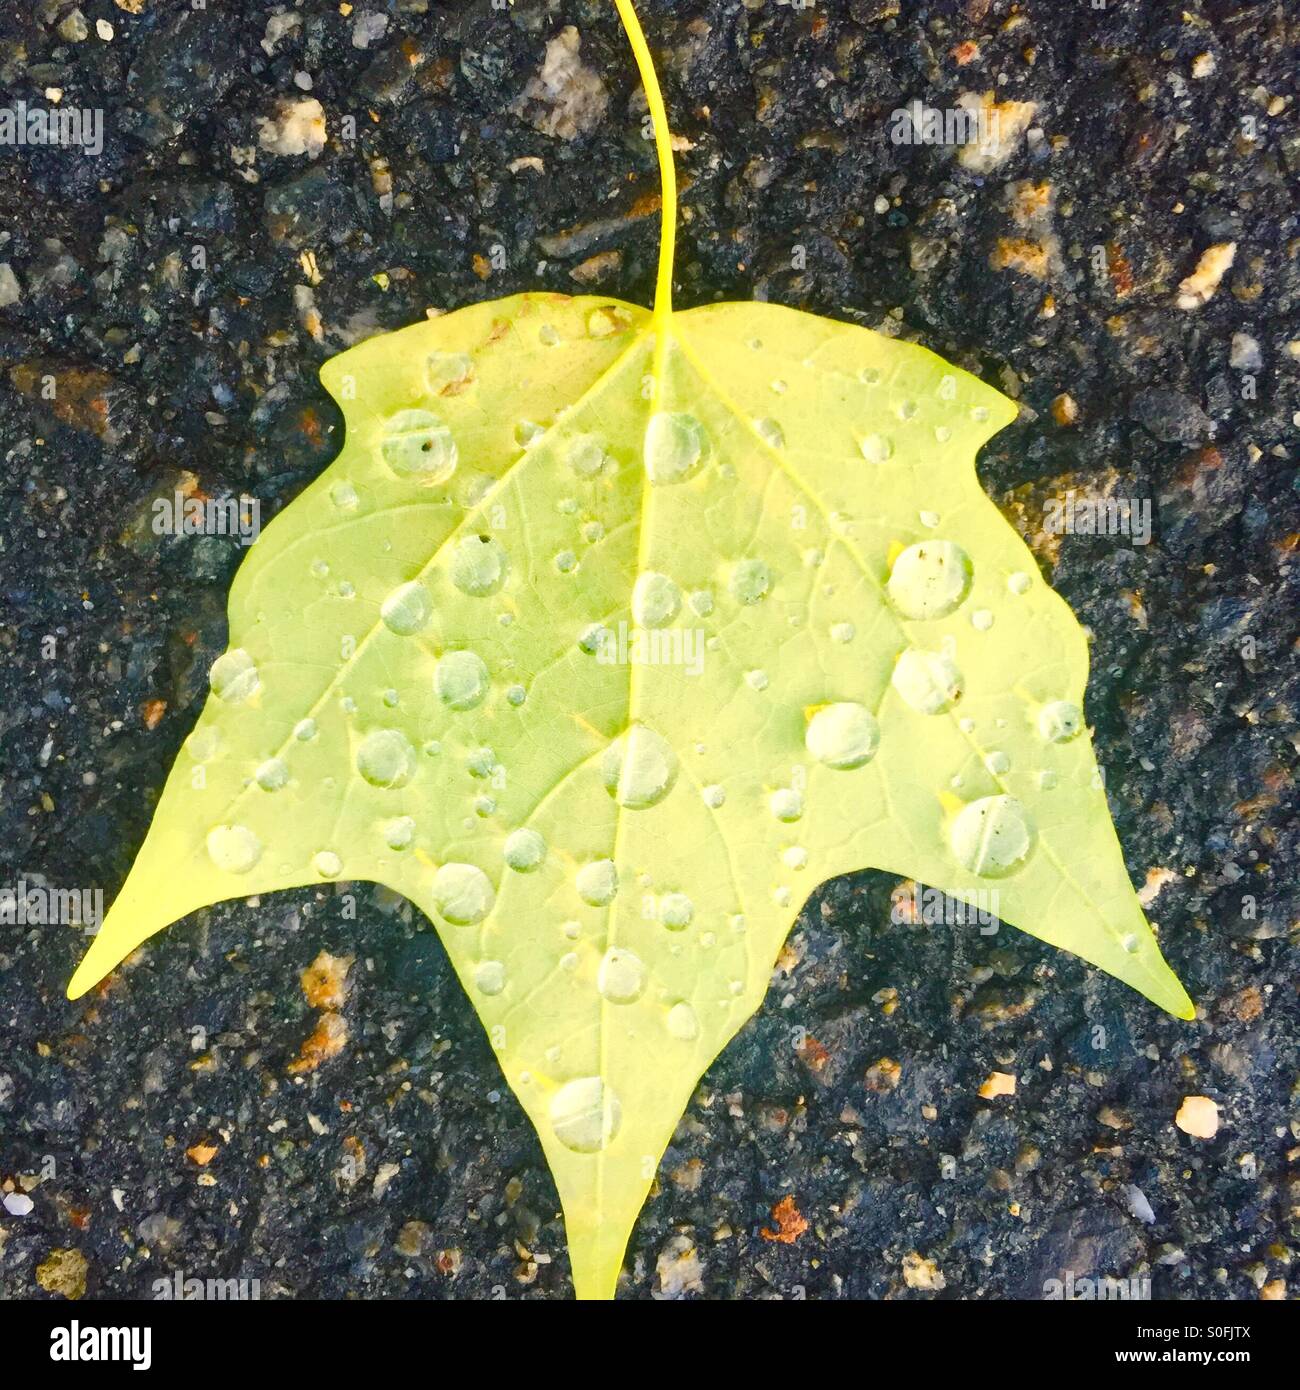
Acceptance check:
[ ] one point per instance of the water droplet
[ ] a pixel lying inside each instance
(271, 775)
(682, 1022)
(202, 744)
(305, 730)
(524, 851)
(1059, 721)
(391, 698)
(1018, 582)
(796, 857)
(444, 370)
(929, 682)
(461, 680)
(527, 433)
(516, 694)
(597, 882)
(843, 632)
(585, 1115)
(481, 762)
(991, 836)
(947, 388)
(320, 569)
(347, 589)
(417, 445)
(233, 677)
(770, 432)
(843, 736)
(981, 620)
(566, 562)
(593, 531)
(327, 864)
(344, 496)
(348, 705)
(714, 796)
(930, 519)
(929, 579)
(779, 387)
(1046, 780)
(868, 376)
(548, 335)
(639, 768)
(407, 609)
(386, 759)
(234, 849)
(907, 410)
(399, 833)
(942, 434)
(750, 581)
(785, 803)
(757, 680)
(1130, 944)
(479, 565)
(462, 894)
(675, 447)
(621, 976)
(490, 977)
(656, 600)
(979, 413)
(586, 456)
(676, 911)
(877, 448)
(997, 762)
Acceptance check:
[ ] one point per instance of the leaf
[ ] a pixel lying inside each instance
(607, 637)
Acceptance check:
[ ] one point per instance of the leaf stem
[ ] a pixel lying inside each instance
(663, 305)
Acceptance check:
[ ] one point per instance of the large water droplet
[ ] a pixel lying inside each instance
(843, 735)
(639, 768)
(233, 676)
(585, 1115)
(386, 759)
(407, 609)
(1059, 721)
(930, 579)
(621, 976)
(461, 680)
(417, 445)
(928, 681)
(462, 894)
(656, 600)
(597, 882)
(524, 851)
(991, 836)
(675, 447)
(478, 565)
(233, 848)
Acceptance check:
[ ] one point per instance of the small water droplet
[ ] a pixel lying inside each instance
(675, 447)
(407, 609)
(202, 744)
(417, 445)
(399, 833)
(597, 882)
(981, 620)
(676, 911)
(490, 977)
(757, 680)
(516, 694)
(234, 849)
(796, 857)
(1018, 582)
(770, 432)
(877, 448)
(639, 768)
(586, 455)
(305, 730)
(524, 850)
(869, 376)
(930, 579)
(947, 388)
(386, 759)
(344, 496)
(991, 836)
(843, 632)
(844, 735)
(479, 565)
(461, 680)
(656, 600)
(272, 775)
(997, 762)
(1059, 721)
(462, 893)
(929, 682)
(750, 581)
(585, 1115)
(785, 803)
(566, 562)
(527, 433)
(448, 373)
(233, 677)
(621, 976)
(327, 864)
(682, 1023)
(714, 796)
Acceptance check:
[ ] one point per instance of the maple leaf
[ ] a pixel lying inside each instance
(609, 635)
